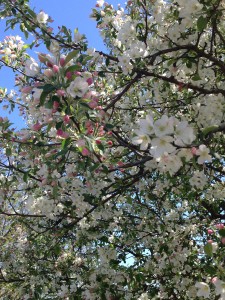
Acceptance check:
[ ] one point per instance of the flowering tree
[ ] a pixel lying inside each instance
(115, 188)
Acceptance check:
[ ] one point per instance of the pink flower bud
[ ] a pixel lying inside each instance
(88, 124)
(85, 152)
(210, 241)
(66, 119)
(93, 104)
(42, 57)
(36, 127)
(210, 231)
(55, 69)
(90, 130)
(55, 105)
(62, 134)
(68, 75)
(48, 73)
(223, 240)
(26, 89)
(50, 65)
(214, 280)
(44, 181)
(50, 29)
(77, 73)
(80, 143)
(89, 81)
(194, 150)
(98, 142)
(61, 93)
(110, 143)
(220, 226)
(62, 61)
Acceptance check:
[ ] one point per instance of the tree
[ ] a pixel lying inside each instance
(115, 189)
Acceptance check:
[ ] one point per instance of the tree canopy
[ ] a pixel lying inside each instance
(115, 187)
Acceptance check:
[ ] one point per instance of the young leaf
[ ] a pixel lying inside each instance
(202, 23)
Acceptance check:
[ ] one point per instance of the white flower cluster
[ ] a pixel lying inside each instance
(165, 136)
(11, 49)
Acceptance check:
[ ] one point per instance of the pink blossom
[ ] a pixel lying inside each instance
(69, 75)
(88, 124)
(93, 104)
(80, 143)
(214, 280)
(50, 29)
(48, 73)
(55, 69)
(26, 89)
(62, 134)
(42, 57)
(44, 181)
(66, 119)
(55, 105)
(220, 226)
(62, 61)
(210, 231)
(85, 152)
(36, 127)
(223, 240)
(89, 81)
(194, 150)
(61, 93)
(90, 130)
(50, 65)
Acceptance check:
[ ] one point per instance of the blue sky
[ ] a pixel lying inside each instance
(70, 13)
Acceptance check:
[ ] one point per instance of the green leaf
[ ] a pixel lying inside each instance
(8, 152)
(202, 23)
(65, 143)
(49, 104)
(25, 176)
(208, 249)
(48, 88)
(43, 98)
(101, 147)
(84, 104)
(209, 129)
(72, 68)
(222, 232)
(101, 74)
(210, 270)
(109, 126)
(71, 55)
(94, 167)
(58, 125)
(196, 77)
(14, 11)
